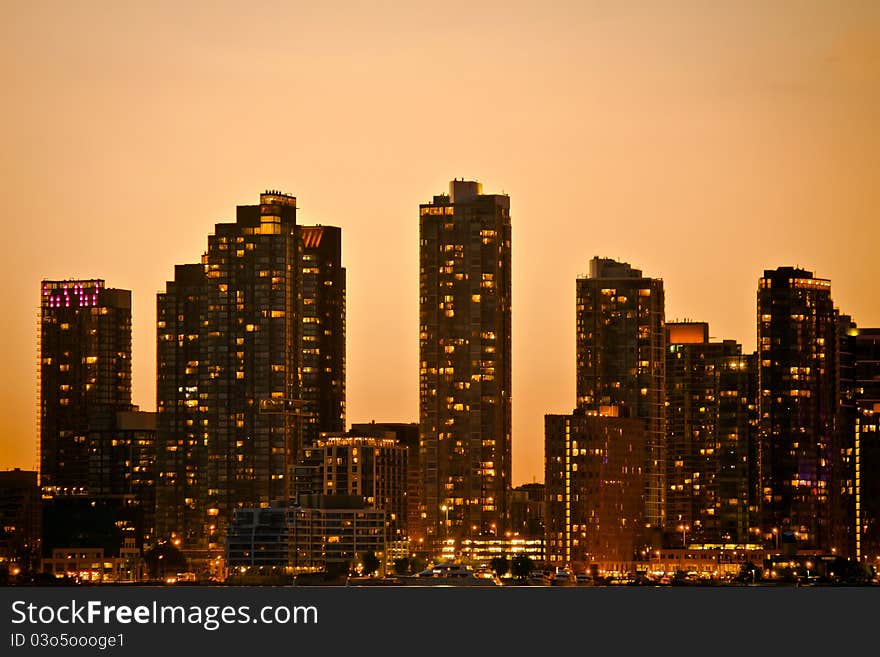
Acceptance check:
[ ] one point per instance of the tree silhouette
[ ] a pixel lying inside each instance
(371, 563)
(500, 565)
(521, 566)
(164, 560)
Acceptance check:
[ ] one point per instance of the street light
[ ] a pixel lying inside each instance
(684, 529)
(776, 537)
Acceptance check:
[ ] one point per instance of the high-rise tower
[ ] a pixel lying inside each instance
(323, 332)
(465, 368)
(228, 375)
(85, 377)
(856, 498)
(711, 421)
(797, 350)
(621, 360)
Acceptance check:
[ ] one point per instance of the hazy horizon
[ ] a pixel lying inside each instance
(701, 143)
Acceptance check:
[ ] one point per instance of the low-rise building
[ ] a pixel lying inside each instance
(323, 532)
(372, 466)
(479, 551)
(715, 560)
(91, 564)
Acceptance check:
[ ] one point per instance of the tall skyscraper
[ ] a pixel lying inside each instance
(182, 447)
(711, 420)
(867, 446)
(228, 375)
(593, 477)
(465, 368)
(844, 533)
(857, 464)
(85, 377)
(323, 332)
(797, 350)
(621, 362)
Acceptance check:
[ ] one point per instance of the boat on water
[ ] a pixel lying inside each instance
(453, 574)
(564, 577)
(583, 579)
(539, 578)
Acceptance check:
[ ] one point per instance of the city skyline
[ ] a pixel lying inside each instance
(536, 476)
(768, 135)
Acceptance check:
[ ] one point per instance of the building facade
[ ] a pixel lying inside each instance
(371, 467)
(593, 473)
(844, 533)
(465, 362)
(323, 533)
(182, 448)
(123, 464)
(407, 435)
(85, 377)
(112, 524)
(797, 351)
(228, 375)
(711, 419)
(93, 566)
(528, 508)
(621, 361)
(20, 519)
(864, 506)
(323, 332)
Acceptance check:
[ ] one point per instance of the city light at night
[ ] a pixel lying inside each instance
(576, 297)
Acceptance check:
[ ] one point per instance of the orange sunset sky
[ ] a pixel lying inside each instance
(701, 141)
